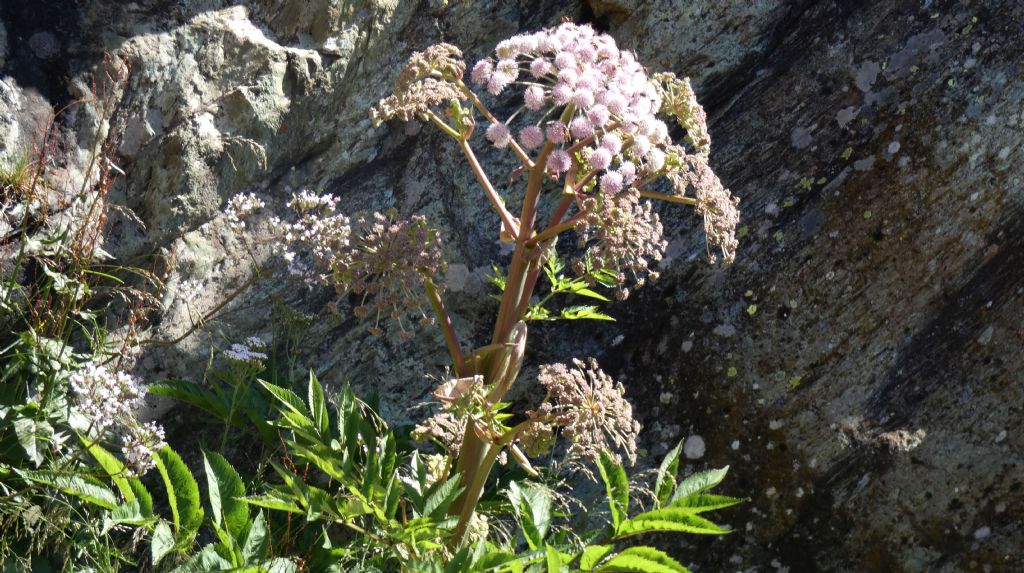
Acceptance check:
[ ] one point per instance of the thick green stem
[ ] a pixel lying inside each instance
(445, 322)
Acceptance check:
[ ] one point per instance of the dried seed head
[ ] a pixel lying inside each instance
(590, 409)
(620, 233)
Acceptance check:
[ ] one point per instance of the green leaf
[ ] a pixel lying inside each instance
(81, 487)
(584, 312)
(143, 496)
(205, 561)
(438, 503)
(272, 501)
(225, 487)
(554, 561)
(668, 519)
(113, 467)
(182, 493)
(129, 513)
(589, 293)
(318, 405)
(702, 502)
(193, 394)
(532, 507)
(593, 555)
(643, 560)
(162, 542)
(33, 436)
(698, 483)
(616, 486)
(666, 480)
(255, 546)
(291, 402)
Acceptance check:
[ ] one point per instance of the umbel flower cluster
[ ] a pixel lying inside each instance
(380, 258)
(590, 408)
(109, 400)
(590, 113)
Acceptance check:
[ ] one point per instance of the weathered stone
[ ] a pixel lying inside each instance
(876, 148)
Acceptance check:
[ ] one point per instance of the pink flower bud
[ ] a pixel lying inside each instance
(598, 115)
(601, 158)
(612, 142)
(532, 137)
(612, 182)
(580, 127)
(540, 67)
(499, 135)
(583, 98)
(561, 94)
(557, 132)
(559, 161)
(565, 60)
(482, 72)
(498, 82)
(534, 97)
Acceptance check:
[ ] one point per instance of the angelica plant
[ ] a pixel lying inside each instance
(593, 149)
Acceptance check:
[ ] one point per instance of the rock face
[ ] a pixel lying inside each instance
(858, 367)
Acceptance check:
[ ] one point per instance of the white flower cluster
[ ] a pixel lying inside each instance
(109, 400)
(248, 353)
(106, 397)
(140, 445)
(240, 207)
(320, 230)
(379, 256)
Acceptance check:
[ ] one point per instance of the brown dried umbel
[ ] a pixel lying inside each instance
(679, 101)
(590, 409)
(620, 233)
(427, 80)
(386, 261)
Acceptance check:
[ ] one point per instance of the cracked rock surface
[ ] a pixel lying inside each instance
(858, 367)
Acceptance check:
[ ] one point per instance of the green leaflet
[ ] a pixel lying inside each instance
(699, 482)
(182, 494)
(668, 519)
(666, 480)
(616, 487)
(87, 489)
(642, 560)
(225, 489)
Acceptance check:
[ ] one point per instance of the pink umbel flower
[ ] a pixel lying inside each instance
(509, 67)
(580, 127)
(532, 137)
(561, 94)
(557, 132)
(559, 161)
(481, 72)
(540, 67)
(568, 76)
(655, 160)
(612, 142)
(598, 115)
(600, 158)
(498, 82)
(583, 98)
(499, 135)
(611, 183)
(534, 97)
(565, 60)
(628, 172)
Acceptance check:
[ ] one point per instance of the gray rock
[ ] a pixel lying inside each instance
(890, 398)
